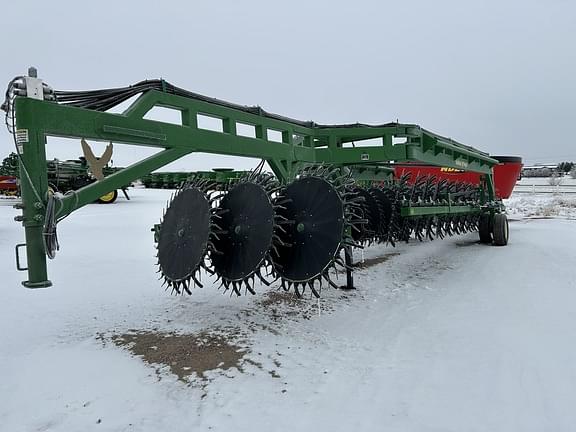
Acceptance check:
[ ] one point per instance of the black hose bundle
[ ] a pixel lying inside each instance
(103, 100)
(49, 233)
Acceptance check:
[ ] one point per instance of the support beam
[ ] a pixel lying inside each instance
(92, 192)
(437, 210)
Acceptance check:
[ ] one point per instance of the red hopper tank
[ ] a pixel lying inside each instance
(506, 173)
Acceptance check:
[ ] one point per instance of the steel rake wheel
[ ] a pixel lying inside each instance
(384, 206)
(324, 209)
(423, 191)
(246, 216)
(184, 236)
(254, 228)
(369, 210)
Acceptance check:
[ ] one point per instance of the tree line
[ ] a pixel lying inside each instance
(565, 167)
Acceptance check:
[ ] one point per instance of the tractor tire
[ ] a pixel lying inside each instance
(108, 198)
(485, 228)
(500, 230)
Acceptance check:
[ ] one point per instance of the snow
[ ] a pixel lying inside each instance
(448, 335)
(542, 205)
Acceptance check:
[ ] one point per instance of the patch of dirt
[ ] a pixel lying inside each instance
(375, 261)
(283, 305)
(184, 354)
(277, 298)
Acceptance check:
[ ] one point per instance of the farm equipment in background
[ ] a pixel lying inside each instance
(72, 175)
(8, 179)
(8, 185)
(63, 176)
(332, 187)
(173, 180)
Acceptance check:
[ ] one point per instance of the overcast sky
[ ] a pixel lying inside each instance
(497, 75)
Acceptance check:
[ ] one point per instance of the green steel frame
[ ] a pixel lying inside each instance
(286, 146)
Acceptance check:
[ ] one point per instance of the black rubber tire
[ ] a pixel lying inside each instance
(108, 199)
(485, 228)
(500, 230)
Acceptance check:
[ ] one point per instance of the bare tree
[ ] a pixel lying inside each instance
(555, 180)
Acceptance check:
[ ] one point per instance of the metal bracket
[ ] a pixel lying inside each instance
(18, 266)
(34, 88)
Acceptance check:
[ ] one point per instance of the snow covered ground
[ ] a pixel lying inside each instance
(448, 335)
(541, 205)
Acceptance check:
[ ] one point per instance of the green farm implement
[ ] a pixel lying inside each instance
(332, 187)
(173, 180)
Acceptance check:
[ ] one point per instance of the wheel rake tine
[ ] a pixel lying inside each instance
(420, 232)
(281, 201)
(342, 264)
(314, 292)
(262, 278)
(207, 269)
(220, 212)
(462, 225)
(235, 290)
(249, 288)
(281, 219)
(326, 277)
(439, 229)
(429, 231)
(273, 190)
(280, 225)
(197, 282)
(175, 288)
(186, 286)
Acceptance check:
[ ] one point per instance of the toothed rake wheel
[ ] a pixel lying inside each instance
(246, 219)
(367, 232)
(384, 209)
(184, 237)
(311, 244)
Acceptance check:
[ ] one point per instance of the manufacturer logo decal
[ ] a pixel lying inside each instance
(21, 136)
(450, 170)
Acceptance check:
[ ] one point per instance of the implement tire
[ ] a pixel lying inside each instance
(485, 228)
(108, 198)
(500, 230)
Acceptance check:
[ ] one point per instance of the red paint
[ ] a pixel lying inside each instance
(505, 174)
(8, 183)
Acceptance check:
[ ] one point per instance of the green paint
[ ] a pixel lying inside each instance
(438, 210)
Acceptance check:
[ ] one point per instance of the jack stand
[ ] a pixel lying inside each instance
(349, 265)
(125, 192)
